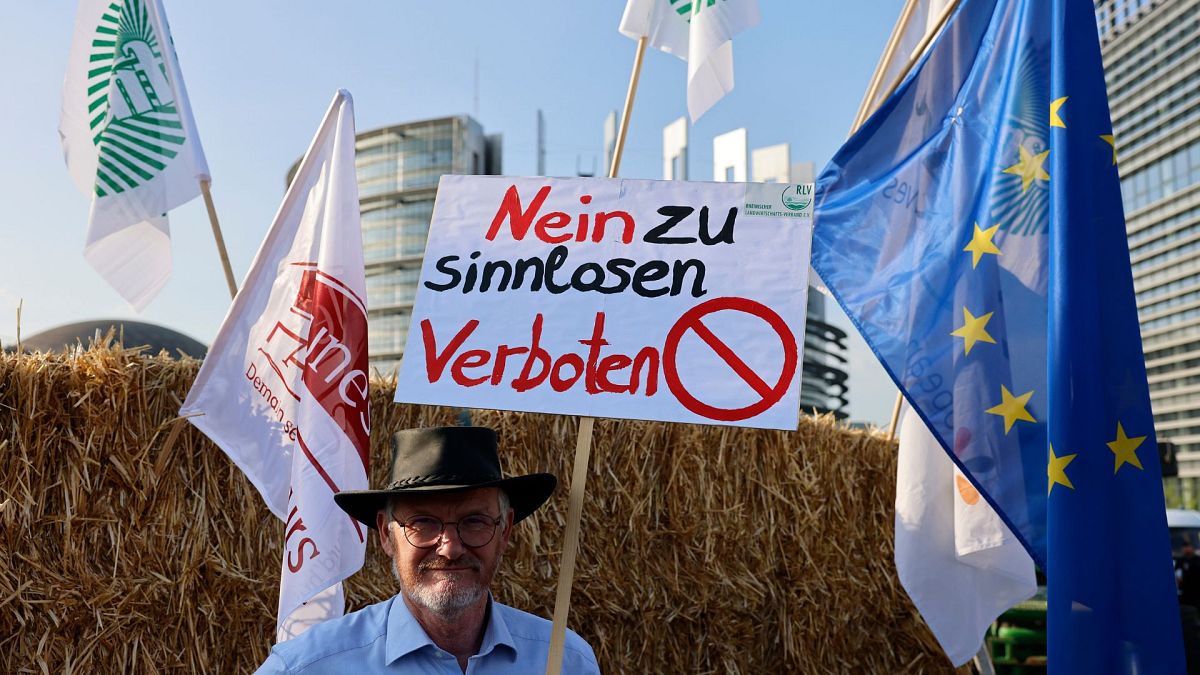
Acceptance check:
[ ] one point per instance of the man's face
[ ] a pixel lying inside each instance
(449, 577)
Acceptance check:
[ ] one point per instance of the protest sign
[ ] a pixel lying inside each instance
(659, 300)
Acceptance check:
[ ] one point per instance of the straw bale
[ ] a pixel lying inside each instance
(704, 549)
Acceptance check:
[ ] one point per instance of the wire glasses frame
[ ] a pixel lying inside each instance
(474, 531)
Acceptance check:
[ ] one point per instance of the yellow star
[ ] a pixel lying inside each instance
(1055, 120)
(1111, 140)
(1030, 167)
(981, 242)
(1057, 471)
(1125, 449)
(974, 330)
(1012, 408)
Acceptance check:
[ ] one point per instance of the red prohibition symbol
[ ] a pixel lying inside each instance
(691, 321)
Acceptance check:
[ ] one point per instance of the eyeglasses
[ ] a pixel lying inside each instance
(474, 531)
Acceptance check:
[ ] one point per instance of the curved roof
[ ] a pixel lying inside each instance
(129, 333)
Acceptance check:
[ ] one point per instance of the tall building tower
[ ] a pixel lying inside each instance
(824, 385)
(729, 157)
(675, 150)
(1151, 67)
(398, 171)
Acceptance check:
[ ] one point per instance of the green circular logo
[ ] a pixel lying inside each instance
(135, 124)
(797, 197)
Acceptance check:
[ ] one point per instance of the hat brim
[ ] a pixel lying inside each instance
(525, 495)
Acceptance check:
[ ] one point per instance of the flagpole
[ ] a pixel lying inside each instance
(625, 112)
(216, 228)
(922, 45)
(893, 42)
(583, 441)
(866, 108)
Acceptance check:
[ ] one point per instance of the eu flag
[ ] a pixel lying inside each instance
(972, 229)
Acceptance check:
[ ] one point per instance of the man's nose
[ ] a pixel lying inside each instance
(450, 546)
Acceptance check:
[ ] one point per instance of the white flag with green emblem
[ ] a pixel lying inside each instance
(129, 139)
(699, 32)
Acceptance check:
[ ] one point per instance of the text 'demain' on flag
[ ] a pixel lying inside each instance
(283, 391)
(973, 231)
(129, 140)
(698, 31)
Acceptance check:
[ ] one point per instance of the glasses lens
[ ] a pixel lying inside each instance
(423, 530)
(476, 530)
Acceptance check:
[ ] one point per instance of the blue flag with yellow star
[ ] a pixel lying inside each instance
(973, 231)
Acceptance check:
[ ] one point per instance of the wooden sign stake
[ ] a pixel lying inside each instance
(583, 442)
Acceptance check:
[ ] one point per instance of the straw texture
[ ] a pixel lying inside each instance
(704, 549)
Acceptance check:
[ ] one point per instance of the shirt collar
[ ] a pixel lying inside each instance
(405, 634)
(496, 633)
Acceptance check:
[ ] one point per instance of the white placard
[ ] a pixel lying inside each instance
(657, 300)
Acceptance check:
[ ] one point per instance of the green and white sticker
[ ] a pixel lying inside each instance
(779, 200)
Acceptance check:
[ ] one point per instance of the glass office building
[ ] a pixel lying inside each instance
(1152, 67)
(398, 171)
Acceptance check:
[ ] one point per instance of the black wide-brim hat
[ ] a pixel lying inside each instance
(447, 459)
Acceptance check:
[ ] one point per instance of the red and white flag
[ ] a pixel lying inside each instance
(283, 391)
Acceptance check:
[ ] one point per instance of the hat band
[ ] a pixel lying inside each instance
(439, 479)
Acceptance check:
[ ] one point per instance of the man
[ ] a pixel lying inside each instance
(444, 519)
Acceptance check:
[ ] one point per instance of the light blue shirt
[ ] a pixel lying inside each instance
(386, 638)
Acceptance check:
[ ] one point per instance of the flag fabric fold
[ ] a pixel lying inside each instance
(129, 140)
(959, 563)
(700, 32)
(972, 229)
(283, 390)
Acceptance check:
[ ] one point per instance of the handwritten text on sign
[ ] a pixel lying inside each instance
(659, 300)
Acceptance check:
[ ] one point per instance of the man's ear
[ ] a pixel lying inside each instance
(508, 525)
(381, 525)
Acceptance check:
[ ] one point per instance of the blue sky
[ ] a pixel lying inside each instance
(261, 73)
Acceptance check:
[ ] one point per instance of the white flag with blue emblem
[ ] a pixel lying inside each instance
(129, 140)
(699, 32)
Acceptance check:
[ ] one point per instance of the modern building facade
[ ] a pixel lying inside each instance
(675, 150)
(398, 171)
(824, 385)
(1152, 66)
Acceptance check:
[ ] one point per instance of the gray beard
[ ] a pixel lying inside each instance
(447, 604)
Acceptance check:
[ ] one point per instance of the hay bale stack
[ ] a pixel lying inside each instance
(704, 549)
